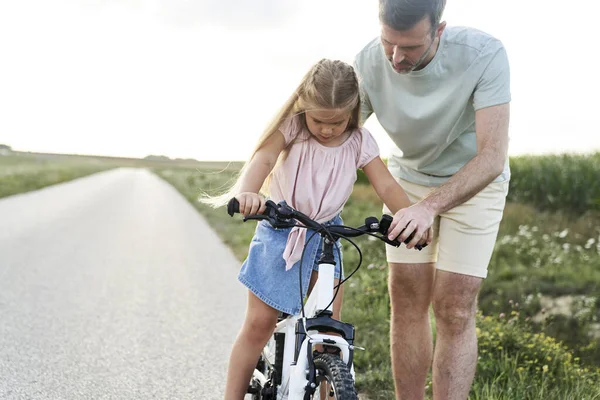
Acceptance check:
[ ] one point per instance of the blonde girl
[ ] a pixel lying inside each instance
(308, 156)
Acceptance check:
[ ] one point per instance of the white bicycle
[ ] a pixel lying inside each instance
(303, 360)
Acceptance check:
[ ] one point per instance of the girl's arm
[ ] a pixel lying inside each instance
(394, 197)
(387, 188)
(259, 167)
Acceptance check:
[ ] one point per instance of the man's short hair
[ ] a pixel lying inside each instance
(402, 15)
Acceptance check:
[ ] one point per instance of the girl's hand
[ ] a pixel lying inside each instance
(251, 203)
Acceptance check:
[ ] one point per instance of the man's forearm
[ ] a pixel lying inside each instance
(466, 183)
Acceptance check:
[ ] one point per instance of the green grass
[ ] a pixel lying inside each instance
(518, 364)
(548, 255)
(556, 182)
(510, 364)
(23, 173)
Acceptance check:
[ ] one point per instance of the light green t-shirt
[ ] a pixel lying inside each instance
(430, 114)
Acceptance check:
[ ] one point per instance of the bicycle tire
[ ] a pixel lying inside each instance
(337, 373)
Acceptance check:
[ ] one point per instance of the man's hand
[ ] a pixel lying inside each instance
(417, 218)
(251, 203)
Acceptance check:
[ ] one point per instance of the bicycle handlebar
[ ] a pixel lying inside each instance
(283, 216)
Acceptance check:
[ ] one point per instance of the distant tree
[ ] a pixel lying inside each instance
(5, 150)
(157, 158)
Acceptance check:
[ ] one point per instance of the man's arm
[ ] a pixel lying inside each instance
(491, 127)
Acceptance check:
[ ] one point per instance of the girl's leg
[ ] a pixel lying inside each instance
(257, 329)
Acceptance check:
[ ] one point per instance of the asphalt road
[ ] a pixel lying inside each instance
(113, 287)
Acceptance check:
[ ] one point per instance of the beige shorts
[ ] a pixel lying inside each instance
(464, 237)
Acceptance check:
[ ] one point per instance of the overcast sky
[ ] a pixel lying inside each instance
(201, 79)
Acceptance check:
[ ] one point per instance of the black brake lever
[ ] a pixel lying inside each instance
(257, 217)
(396, 243)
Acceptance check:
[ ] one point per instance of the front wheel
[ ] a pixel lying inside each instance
(335, 376)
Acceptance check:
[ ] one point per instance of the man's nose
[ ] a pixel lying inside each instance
(397, 56)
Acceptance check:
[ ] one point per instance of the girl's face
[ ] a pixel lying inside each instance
(328, 126)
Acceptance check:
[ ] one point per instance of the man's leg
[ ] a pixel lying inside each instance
(411, 279)
(467, 235)
(455, 357)
(411, 288)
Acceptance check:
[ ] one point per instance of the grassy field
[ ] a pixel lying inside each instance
(557, 182)
(538, 328)
(23, 172)
(539, 257)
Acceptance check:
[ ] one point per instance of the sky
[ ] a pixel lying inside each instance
(201, 79)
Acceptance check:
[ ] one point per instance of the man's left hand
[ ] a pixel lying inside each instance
(417, 218)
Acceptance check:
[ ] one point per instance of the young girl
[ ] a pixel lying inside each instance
(308, 156)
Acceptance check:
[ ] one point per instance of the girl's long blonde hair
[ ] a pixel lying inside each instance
(328, 85)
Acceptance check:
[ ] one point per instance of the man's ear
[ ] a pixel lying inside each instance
(440, 29)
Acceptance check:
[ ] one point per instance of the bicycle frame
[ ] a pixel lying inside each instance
(294, 372)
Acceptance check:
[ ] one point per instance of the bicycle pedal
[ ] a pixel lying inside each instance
(253, 390)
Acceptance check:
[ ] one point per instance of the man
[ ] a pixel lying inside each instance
(442, 94)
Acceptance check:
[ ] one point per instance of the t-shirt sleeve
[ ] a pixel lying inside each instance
(365, 107)
(368, 149)
(493, 87)
(290, 128)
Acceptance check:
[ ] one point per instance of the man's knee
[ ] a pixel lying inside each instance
(411, 287)
(454, 315)
(455, 299)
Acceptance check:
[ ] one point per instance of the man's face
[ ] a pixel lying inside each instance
(411, 49)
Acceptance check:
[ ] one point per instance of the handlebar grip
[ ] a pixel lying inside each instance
(384, 226)
(233, 206)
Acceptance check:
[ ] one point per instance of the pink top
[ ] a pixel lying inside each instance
(315, 179)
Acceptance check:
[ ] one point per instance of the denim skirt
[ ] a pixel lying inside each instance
(264, 273)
